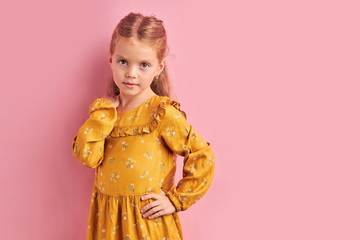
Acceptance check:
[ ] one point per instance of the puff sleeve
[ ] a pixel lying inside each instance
(199, 159)
(88, 144)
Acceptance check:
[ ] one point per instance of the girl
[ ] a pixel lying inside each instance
(132, 137)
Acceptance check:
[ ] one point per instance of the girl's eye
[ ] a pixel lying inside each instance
(121, 61)
(146, 65)
(143, 65)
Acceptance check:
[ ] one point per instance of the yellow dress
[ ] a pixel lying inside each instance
(134, 153)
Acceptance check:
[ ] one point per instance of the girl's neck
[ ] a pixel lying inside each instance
(127, 103)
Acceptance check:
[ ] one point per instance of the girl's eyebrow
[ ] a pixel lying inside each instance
(144, 60)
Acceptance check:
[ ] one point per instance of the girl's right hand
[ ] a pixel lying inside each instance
(113, 101)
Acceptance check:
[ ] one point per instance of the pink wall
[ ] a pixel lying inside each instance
(273, 85)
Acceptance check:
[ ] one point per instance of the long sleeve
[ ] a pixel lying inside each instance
(88, 144)
(199, 159)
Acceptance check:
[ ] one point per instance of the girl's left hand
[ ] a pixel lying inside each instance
(161, 206)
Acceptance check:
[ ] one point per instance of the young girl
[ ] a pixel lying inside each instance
(132, 137)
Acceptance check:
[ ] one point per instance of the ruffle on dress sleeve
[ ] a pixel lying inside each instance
(151, 125)
(100, 103)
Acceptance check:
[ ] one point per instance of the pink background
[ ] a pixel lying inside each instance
(273, 85)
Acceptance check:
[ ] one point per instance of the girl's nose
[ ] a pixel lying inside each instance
(131, 72)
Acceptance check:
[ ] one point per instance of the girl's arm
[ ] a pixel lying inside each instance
(88, 144)
(199, 159)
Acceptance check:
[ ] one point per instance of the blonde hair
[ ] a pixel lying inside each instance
(150, 31)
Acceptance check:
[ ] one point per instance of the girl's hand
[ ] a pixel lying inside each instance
(161, 206)
(113, 101)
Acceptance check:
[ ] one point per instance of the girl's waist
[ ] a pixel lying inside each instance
(123, 193)
(127, 189)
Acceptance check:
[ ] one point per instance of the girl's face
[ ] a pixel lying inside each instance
(134, 67)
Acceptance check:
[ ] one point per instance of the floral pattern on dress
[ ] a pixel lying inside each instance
(132, 119)
(139, 149)
(131, 187)
(130, 163)
(114, 177)
(144, 174)
(170, 131)
(111, 160)
(124, 145)
(148, 155)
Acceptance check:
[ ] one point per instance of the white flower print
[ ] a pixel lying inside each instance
(130, 163)
(170, 131)
(144, 174)
(88, 129)
(114, 177)
(132, 119)
(194, 135)
(211, 160)
(192, 168)
(124, 145)
(131, 187)
(115, 229)
(148, 155)
(111, 160)
(176, 115)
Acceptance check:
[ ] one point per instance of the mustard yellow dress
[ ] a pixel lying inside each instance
(134, 153)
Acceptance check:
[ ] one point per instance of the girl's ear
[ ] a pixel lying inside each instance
(161, 66)
(110, 61)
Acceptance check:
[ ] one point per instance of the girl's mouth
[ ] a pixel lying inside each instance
(130, 85)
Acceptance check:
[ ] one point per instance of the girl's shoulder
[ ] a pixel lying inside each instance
(168, 108)
(147, 117)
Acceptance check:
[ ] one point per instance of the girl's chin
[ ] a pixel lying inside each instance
(129, 92)
(123, 87)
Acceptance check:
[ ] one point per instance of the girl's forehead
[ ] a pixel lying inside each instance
(131, 48)
(132, 42)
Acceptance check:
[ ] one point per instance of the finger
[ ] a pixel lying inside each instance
(149, 206)
(150, 195)
(157, 214)
(152, 211)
